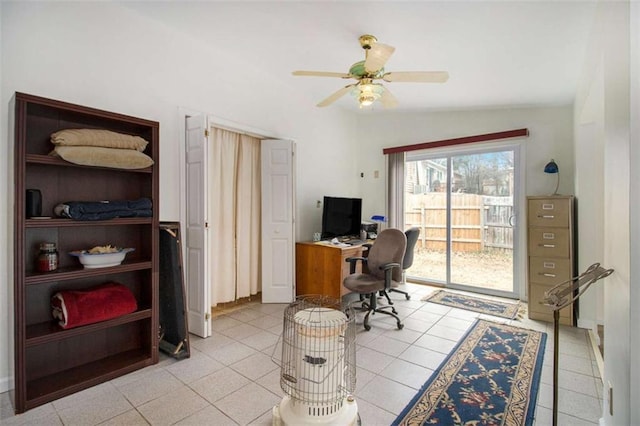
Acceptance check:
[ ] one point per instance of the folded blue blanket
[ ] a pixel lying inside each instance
(103, 210)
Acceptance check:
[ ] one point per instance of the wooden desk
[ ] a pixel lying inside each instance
(321, 267)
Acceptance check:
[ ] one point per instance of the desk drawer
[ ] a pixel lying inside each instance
(549, 242)
(549, 212)
(549, 270)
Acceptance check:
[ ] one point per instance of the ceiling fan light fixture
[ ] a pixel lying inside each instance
(364, 90)
(367, 99)
(368, 93)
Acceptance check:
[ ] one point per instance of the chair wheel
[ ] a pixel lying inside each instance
(408, 297)
(400, 326)
(367, 327)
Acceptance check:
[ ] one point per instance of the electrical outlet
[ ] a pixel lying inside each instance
(318, 204)
(610, 394)
(376, 174)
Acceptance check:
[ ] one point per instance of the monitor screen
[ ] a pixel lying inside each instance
(341, 217)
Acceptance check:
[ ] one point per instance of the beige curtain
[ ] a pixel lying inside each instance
(234, 215)
(249, 216)
(395, 190)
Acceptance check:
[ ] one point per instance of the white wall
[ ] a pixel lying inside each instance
(550, 136)
(634, 212)
(590, 190)
(604, 129)
(6, 277)
(111, 57)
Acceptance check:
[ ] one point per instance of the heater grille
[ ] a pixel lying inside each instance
(318, 354)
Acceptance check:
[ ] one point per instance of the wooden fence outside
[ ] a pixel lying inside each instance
(477, 221)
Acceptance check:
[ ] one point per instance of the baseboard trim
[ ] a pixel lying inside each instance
(595, 341)
(6, 384)
(588, 324)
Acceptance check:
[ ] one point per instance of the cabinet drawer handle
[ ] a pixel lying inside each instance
(547, 275)
(547, 245)
(546, 216)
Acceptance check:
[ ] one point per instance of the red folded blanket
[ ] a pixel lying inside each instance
(74, 308)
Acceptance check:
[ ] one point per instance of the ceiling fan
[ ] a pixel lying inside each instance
(366, 90)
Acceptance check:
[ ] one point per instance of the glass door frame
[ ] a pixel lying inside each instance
(519, 199)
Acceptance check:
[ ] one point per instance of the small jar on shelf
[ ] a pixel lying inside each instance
(47, 259)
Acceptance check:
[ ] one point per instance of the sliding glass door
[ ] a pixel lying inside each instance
(463, 202)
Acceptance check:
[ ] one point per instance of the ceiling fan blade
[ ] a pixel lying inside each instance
(416, 76)
(377, 56)
(388, 100)
(321, 74)
(337, 95)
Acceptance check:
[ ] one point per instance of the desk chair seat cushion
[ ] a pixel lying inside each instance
(364, 283)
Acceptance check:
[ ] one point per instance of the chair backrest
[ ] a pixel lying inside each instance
(388, 247)
(412, 238)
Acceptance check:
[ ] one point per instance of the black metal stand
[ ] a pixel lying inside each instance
(561, 296)
(556, 328)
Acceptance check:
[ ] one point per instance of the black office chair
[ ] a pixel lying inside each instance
(412, 235)
(380, 270)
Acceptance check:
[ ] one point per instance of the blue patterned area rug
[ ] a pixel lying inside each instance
(476, 304)
(490, 378)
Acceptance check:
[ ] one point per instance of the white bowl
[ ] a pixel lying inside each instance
(101, 260)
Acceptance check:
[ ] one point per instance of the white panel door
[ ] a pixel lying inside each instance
(278, 260)
(198, 291)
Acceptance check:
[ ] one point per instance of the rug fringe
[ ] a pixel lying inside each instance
(522, 311)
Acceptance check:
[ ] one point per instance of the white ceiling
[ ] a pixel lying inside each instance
(498, 54)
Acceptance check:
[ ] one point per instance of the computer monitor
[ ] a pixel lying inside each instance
(341, 217)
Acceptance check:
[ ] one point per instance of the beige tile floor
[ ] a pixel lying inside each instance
(231, 379)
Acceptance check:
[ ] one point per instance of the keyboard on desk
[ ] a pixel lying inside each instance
(354, 242)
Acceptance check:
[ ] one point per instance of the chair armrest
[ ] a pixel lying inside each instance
(388, 272)
(353, 261)
(389, 266)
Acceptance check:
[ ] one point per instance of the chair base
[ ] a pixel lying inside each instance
(406, 295)
(404, 281)
(371, 307)
(389, 301)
